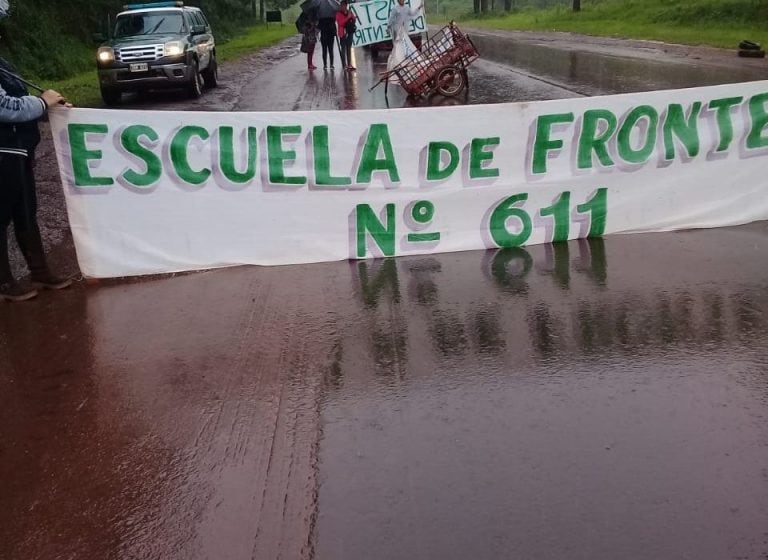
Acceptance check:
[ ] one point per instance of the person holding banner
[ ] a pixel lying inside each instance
(402, 46)
(345, 22)
(19, 136)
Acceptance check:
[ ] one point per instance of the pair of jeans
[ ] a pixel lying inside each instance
(327, 36)
(345, 50)
(18, 205)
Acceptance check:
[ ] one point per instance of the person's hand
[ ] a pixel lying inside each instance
(53, 98)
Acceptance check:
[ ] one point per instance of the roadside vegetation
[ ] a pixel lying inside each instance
(51, 43)
(717, 23)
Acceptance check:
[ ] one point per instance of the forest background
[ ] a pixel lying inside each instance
(53, 41)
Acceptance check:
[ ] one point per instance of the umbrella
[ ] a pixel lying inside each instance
(19, 78)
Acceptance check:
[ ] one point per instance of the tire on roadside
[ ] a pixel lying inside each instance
(211, 74)
(747, 45)
(751, 53)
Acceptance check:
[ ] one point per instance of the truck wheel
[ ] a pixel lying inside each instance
(195, 87)
(450, 81)
(211, 74)
(111, 96)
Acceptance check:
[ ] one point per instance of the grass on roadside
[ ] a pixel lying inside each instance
(253, 39)
(83, 89)
(718, 23)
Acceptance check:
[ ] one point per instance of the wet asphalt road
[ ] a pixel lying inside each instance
(595, 399)
(509, 70)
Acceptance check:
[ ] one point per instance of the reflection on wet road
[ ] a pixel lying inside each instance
(289, 86)
(604, 69)
(595, 399)
(585, 400)
(508, 71)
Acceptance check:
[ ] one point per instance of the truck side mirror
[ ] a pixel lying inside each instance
(198, 29)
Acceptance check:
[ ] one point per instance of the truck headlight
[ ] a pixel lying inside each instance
(105, 55)
(174, 48)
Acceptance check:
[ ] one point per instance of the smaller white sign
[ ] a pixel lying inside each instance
(373, 19)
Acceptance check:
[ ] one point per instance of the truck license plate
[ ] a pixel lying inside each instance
(139, 67)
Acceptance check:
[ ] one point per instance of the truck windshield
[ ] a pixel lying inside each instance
(148, 23)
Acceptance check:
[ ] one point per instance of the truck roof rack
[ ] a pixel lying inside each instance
(169, 4)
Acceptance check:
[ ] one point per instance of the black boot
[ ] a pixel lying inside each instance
(13, 291)
(50, 282)
(32, 248)
(10, 290)
(5, 266)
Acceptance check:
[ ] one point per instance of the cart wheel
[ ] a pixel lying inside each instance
(450, 81)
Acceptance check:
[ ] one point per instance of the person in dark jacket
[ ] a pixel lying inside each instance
(326, 12)
(19, 137)
(308, 30)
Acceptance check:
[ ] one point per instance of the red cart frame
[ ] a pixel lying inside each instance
(440, 65)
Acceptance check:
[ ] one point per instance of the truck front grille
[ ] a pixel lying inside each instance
(142, 53)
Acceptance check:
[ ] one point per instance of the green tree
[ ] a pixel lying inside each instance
(53, 39)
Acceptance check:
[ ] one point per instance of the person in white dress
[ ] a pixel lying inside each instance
(402, 46)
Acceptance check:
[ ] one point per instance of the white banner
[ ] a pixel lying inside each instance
(372, 20)
(152, 192)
